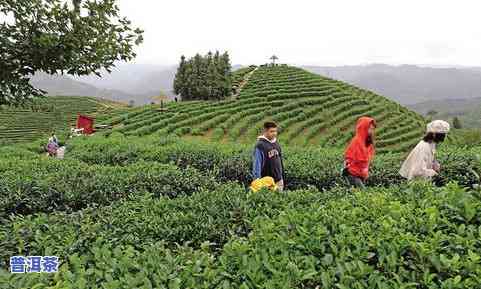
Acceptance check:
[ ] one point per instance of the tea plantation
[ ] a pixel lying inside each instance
(311, 110)
(43, 116)
(165, 212)
(162, 200)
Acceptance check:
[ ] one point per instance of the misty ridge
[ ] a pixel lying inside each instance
(421, 88)
(410, 84)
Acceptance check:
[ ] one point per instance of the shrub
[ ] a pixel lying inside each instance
(402, 237)
(46, 185)
(303, 167)
(212, 216)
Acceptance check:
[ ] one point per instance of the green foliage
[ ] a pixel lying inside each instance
(40, 117)
(362, 241)
(204, 77)
(159, 211)
(53, 36)
(412, 236)
(46, 185)
(465, 137)
(238, 76)
(312, 111)
(457, 123)
(127, 212)
(319, 168)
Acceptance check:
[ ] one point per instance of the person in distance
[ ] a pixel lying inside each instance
(421, 162)
(52, 145)
(267, 157)
(360, 153)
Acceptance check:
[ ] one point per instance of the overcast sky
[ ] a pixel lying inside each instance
(333, 32)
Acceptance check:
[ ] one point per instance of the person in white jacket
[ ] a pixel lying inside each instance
(421, 162)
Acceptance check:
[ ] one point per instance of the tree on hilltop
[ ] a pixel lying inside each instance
(274, 58)
(204, 77)
(457, 123)
(180, 77)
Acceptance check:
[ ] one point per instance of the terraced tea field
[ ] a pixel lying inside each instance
(162, 201)
(50, 114)
(163, 212)
(312, 111)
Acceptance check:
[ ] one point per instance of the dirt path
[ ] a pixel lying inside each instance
(243, 83)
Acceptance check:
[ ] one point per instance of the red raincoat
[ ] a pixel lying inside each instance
(359, 154)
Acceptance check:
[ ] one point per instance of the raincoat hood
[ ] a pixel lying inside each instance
(362, 127)
(359, 153)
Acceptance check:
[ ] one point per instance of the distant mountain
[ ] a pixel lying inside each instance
(449, 106)
(409, 84)
(65, 86)
(129, 85)
(143, 81)
(132, 78)
(125, 83)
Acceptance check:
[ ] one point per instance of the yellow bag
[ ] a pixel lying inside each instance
(265, 182)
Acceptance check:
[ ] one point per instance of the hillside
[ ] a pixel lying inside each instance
(180, 209)
(409, 84)
(467, 110)
(406, 84)
(50, 114)
(311, 110)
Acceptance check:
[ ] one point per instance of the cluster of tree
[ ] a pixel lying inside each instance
(77, 37)
(204, 77)
(457, 123)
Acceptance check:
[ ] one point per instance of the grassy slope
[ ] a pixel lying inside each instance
(311, 110)
(467, 110)
(40, 118)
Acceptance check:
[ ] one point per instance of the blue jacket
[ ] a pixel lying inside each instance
(257, 163)
(267, 160)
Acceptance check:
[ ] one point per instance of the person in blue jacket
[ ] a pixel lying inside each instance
(267, 158)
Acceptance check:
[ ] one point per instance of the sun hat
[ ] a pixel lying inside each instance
(438, 126)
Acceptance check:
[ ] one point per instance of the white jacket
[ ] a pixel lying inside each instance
(420, 162)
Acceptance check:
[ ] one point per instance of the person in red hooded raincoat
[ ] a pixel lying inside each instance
(360, 153)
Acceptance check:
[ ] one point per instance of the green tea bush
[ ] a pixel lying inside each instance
(412, 236)
(46, 185)
(212, 216)
(109, 267)
(366, 240)
(319, 168)
(11, 152)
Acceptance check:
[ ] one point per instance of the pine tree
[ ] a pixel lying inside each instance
(218, 79)
(216, 57)
(225, 70)
(189, 80)
(180, 78)
(197, 77)
(212, 77)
